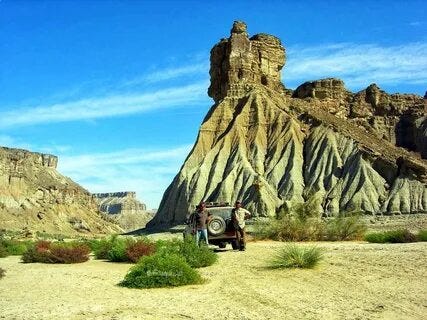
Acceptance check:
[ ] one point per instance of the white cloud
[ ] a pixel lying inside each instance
(109, 106)
(358, 64)
(148, 172)
(170, 74)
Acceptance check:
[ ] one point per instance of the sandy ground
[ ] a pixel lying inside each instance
(355, 281)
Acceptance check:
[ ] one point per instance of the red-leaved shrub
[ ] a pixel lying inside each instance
(70, 254)
(139, 249)
(43, 245)
(47, 252)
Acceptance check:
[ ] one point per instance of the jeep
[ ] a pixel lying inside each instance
(220, 226)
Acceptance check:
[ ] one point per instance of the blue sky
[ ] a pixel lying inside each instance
(117, 89)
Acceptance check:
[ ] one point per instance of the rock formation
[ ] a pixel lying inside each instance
(35, 197)
(124, 208)
(272, 147)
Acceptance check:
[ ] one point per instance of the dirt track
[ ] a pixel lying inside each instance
(355, 281)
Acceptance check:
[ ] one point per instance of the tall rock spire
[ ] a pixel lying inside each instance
(272, 148)
(239, 63)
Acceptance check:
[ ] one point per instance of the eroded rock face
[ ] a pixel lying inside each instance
(270, 147)
(239, 64)
(34, 196)
(124, 208)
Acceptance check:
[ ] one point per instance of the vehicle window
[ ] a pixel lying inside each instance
(223, 212)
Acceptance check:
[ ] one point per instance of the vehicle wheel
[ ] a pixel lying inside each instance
(222, 245)
(235, 245)
(216, 226)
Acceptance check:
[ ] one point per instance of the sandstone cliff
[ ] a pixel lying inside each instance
(271, 147)
(35, 197)
(124, 208)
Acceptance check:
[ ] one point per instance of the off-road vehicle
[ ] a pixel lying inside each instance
(220, 226)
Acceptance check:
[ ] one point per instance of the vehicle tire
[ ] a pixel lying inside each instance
(235, 245)
(222, 245)
(216, 226)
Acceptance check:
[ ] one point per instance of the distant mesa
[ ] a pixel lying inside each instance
(124, 209)
(35, 197)
(273, 147)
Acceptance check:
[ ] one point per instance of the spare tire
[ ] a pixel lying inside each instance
(216, 226)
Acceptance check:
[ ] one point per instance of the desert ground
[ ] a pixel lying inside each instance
(356, 280)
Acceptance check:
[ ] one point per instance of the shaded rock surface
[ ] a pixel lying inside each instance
(124, 208)
(271, 147)
(35, 197)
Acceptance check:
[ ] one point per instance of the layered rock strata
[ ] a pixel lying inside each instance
(272, 147)
(124, 208)
(35, 197)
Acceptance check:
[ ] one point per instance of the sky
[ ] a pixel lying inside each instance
(118, 89)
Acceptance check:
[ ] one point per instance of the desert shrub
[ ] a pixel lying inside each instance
(197, 257)
(117, 253)
(168, 246)
(161, 270)
(117, 249)
(422, 235)
(140, 248)
(15, 247)
(101, 247)
(344, 228)
(375, 237)
(289, 228)
(74, 253)
(267, 229)
(300, 226)
(3, 251)
(36, 255)
(293, 256)
(47, 252)
(394, 236)
(2, 273)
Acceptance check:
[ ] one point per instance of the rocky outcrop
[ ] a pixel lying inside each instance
(124, 208)
(34, 196)
(239, 64)
(271, 147)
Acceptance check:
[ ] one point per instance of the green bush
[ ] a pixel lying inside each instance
(394, 236)
(290, 228)
(292, 256)
(3, 251)
(168, 246)
(15, 247)
(47, 252)
(344, 228)
(2, 273)
(301, 226)
(375, 237)
(117, 249)
(161, 270)
(197, 257)
(117, 253)
(422, 235)
(101, 247)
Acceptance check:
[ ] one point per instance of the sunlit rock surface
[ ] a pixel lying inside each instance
(271, 147)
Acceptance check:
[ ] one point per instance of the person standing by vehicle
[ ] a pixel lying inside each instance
(239, 215)
(202, 219)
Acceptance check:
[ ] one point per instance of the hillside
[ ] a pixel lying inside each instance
(34, 196)
(272, 147)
